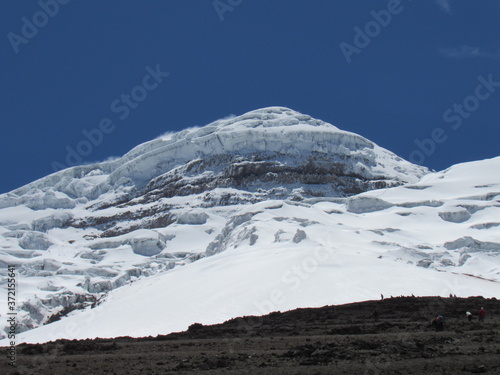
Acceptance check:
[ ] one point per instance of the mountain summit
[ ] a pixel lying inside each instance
(257, 151)
(270, 210)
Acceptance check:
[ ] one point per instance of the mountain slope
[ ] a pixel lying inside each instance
(270, 208)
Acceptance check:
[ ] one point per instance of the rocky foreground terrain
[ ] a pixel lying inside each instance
(390, 336)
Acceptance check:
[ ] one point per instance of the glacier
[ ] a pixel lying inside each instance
(271, 210)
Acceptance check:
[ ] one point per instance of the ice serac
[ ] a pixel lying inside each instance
(233, 209)
(259, 151)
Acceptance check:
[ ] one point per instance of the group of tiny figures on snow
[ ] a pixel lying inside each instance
(438, 321)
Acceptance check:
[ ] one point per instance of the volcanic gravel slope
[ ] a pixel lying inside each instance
(390, 336)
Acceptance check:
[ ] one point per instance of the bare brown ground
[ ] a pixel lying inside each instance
(347, 339)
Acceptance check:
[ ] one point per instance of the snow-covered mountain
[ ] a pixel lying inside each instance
(271, 210)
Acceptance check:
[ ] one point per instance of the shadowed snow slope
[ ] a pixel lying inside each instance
(271, 210)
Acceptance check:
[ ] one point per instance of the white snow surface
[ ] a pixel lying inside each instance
(436, 234)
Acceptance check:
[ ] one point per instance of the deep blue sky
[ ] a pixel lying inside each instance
(64, 79)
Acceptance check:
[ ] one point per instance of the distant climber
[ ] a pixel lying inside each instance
(438, 323)
(469, 316)
(482, 314)
(382, 297)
